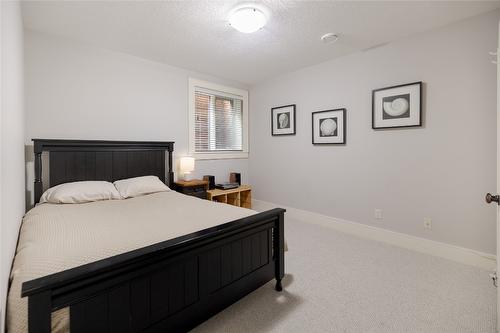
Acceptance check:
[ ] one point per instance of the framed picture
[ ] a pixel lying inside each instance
(329, 127)
(398, 106)
(283, 120)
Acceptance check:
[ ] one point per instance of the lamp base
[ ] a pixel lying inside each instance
(188, 176)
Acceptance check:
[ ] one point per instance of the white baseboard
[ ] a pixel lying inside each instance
(452, 252)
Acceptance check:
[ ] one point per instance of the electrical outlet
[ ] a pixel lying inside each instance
(378, 214)
(427, 223)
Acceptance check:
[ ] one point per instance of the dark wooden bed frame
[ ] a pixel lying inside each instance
(170, 286)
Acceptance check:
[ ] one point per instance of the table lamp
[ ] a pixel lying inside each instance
(187, 166)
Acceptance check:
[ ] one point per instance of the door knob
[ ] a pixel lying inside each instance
(490, 198)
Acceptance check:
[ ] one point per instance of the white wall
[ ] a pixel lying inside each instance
(441, 170)
(11, 140)
(78, 91)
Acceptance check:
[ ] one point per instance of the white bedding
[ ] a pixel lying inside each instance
(56, 237)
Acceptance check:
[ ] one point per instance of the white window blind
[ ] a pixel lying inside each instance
(218, 122)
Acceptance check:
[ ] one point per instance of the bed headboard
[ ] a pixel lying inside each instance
(77, 160)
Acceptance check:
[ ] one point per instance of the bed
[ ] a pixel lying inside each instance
(168, 279)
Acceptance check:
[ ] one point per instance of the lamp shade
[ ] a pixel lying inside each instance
(187, 164)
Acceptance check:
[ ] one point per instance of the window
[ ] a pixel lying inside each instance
(218, 121)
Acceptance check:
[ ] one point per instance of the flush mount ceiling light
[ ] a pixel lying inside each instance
(329, 38)
(247, 19)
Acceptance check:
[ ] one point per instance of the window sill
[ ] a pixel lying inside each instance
(220, 156)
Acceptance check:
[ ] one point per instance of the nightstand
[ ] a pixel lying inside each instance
(196, 188)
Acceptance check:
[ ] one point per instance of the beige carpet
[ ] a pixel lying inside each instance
(340, 283)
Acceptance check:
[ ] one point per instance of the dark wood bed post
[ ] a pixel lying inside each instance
(279, 250)
(170, 170)
(38, 171)
(39, 310)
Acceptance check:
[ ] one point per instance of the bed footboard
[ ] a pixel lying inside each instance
(170, 286)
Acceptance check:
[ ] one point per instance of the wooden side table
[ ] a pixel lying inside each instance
(196, 188)
(241, 196)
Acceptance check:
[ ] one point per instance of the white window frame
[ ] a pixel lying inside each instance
(223, 90)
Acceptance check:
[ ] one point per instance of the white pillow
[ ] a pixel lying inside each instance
(80, 192)
(133, 187)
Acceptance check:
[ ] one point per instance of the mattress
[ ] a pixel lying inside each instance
(56, 237)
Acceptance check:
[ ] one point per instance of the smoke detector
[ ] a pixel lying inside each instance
(329, 38)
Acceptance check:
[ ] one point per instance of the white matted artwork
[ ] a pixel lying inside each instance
(283, 120)
(329, 127)
(398, 106)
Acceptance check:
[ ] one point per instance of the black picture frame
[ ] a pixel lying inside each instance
(419, 99)
(343, 123)
(292, 124)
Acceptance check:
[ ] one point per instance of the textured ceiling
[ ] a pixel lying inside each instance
(195, 34)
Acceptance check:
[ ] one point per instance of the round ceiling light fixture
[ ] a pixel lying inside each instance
(330, 38)
(247, 19)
